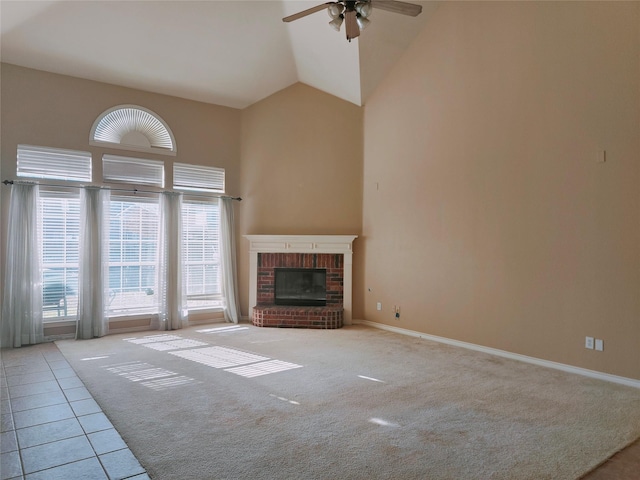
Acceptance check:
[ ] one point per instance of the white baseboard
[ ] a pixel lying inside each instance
(630, 382)
(55, 338)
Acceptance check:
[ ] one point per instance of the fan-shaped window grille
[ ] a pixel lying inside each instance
(130, 127)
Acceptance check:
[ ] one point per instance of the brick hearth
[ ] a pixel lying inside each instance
(297, 317)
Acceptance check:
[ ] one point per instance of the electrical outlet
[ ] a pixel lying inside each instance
(599, 344)
(379, 306)
(588, 343)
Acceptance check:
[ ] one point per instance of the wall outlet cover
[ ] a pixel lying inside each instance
(599, 344)
(588, 342)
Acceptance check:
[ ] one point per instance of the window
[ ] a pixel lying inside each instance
(133, 256)
(201, 253)
(59, 228)
(58, 223)
(133, 237)
(201, 234)
(53, 163)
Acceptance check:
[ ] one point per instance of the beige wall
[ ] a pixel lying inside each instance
(486, 215)
(301, 170)
(52, 110)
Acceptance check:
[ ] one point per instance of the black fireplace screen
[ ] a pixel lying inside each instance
(301, 287)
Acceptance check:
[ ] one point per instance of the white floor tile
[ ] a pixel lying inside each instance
(55, 454)
(88, 469)
(49, 432)
(37, 416)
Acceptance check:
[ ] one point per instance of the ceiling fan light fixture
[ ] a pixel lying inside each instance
(362, 22)
(354, 13)
(336, 23)
(335, 9)
(364, 9)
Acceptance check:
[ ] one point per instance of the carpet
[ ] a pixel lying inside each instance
(239, 402)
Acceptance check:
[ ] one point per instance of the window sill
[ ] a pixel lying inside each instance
(63, 322)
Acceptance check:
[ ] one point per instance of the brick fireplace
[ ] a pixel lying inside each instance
(332, 253)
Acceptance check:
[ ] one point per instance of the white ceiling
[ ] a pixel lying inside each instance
(230, 53)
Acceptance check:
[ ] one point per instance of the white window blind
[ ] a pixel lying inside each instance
(117, 169)
(115, 124)
(198, 178)
(53, 163)
(59, 229)
(201, 254)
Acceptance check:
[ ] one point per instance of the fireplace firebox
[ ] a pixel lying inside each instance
(301, 287)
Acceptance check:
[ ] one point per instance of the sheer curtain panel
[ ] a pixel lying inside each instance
(228, 254)
(173, 306)
(22, 303)
(92, 285)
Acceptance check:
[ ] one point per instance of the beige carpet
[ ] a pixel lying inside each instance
(241, 402)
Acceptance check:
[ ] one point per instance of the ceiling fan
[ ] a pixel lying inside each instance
(356, 13)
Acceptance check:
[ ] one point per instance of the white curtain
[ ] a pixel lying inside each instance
(173, 306)
(228, 253)
(92, 281)
(22, 304)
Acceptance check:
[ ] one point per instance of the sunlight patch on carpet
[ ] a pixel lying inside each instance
(219, 357)
(292, 402)
(174, 344)
(231, 329)
(384, 423)
(137, 371)
(165, 342)
(235, 361)
(171, 382)
(371, 378)
(152, 338)
(149, 376)
(263, 368)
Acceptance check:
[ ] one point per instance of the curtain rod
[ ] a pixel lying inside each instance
(131, 190)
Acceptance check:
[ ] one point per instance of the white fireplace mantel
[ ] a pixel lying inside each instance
(302, 244)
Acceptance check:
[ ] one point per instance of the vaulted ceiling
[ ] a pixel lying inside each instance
(232, 53)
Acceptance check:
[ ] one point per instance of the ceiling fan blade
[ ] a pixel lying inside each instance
(306, 12)
(397, 7)
(351, 25)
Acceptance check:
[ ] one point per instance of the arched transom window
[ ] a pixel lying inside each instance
(131, 127)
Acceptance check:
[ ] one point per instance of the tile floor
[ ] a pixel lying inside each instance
(52, 428)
